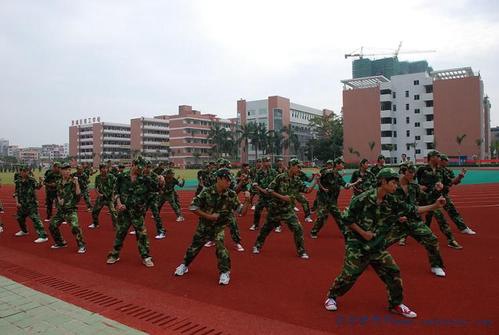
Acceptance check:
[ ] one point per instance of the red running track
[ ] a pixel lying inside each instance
(271, 293)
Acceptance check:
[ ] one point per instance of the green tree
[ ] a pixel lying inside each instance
(245, 133)
(459, 141)
(328, 141)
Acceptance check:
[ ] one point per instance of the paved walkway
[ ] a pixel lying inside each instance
(26, 311)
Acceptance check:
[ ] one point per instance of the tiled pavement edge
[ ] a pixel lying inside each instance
(26, 311)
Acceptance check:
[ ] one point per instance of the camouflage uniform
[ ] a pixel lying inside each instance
(300, 197)
(167, 194)
(201, 176)
(415, 227)
(375, 169)
(210, 201)
(105, 186)
(25, 193)
(327, 201)
(428, 177)
(50, 181)
(263, 178)
(368, 181)
(283, 211)
(132, 194)
(153, 201)
(359, 253)
(84, 180)
(66, 211)
(447, 178)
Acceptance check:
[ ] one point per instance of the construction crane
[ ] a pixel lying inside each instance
(394, 54)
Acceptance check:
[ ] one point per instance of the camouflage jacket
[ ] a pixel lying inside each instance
(427, 176)
(51, 179)
(210, 201)
(285, 185)
(105, 185)
(333, 182)
(83, 180)
(375, 169)
(25, 191)
(243, 178)
(414, 195)
(265, 177)
(133, 194)
(368, 181)
(66, 192)
(447, 179)
(169, 185)
(303, 176)
(210, 178)
(377, 218)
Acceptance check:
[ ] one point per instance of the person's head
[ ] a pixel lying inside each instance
(245, 166)
(265, 162)
(66, 170)
(404, 157)
(79, 169)
(223, 179)
(56, 167)
(387, 180)
(444, 160)
(138, 165)
(258, 163)
(148, 166)
(294, 166)
(280, 162)
(103, 169)
(433, 157)
(364, 164)
(408, 170)
(24, 171)
(381, 160)
(169, 173)
(329, 164)
(109, 163)
(339, 164)
(212, 165)
(121, 167)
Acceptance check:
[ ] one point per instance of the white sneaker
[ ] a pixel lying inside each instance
(278, 229)
(20, 233)
(82, 250)
(209, 244)
(468, 231)
(296, 209)
(64, 222)
(46, 220)
(224, 278)
(253, 207)
(439, 272)
(309, 219)
(330, 304)
(89, 210)
(132, 232)
(41, 240)
(256, 250)
(253, 227)
(1, 229)
(160, 236)
(304, 256)
(239, 247)
(148, 262)
(92, 226)
(404, 311)
(180, 219)
(402, 242)
(181, 270)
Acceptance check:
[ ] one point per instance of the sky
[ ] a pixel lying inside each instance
(120, 59)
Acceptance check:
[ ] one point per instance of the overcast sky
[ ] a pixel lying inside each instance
(65, 60)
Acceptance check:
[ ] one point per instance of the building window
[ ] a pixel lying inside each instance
(417, 124)
(394, 108)
(429, 117)
(429, 131)
(418, 151)
(394, 134)
(406, 107)
(407, 120)
(408, 133)
(386, 133)
(416, 97)
(418, 138)
(408, 146)
(394, 121)
(386, 120)
(429, 103)
(406, 94)
(416, 82)
(430, 146)
(417, 111)
(394, 95)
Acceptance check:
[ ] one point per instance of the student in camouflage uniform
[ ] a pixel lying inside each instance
(212, 206)
(202, 174)
(104, 185)
(1, 211)
(68, 196)
(380, 163)
(320, 192)
(160, 169)
(279, 166)
(368, 179)
(27, 204)
(369, 217)
(52, 176)
(409, 192)
(263, 178)
(430, 177)
(449, 179)
(83, 180)
(167, 188)
(301, 198)
(330, 184)
(153, 199)
(253, 173)
(132, 188)
(283, 191)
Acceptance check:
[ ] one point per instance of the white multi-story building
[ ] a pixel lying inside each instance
(4, 147)
(150, 137)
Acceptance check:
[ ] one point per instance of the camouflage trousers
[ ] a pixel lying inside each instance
(323, 212)
(32, 213)
(50, 201)
(274, 218)
(422, 234)
(450, 208)
(153, 204)
(127, 218)
(234, 228)
(209, 232)
(71, 217)
(177, 199)
(304, 203)
(262, 203)
(442, 223)
(99, 203)
(170, 198)
(86, 197)
(356, 261)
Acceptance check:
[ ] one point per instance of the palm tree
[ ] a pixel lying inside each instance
(245, 132)
(459, 140)
(291, 140)
(371, 144)
(258, 137)
(216, 135)
(353, 152)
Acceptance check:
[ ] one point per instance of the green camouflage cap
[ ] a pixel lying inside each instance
(407, 166)
(121, 166)
(265, 159)
(223, 173)
(444, 157)
(140, 162)
(330, 161)
(338, 160)
(364, 160)
(280, 159)
(387, 173)
(169, 171)
(294, 161)
(102, 165)
(23, 167)
(433, 153)
(56, 164)
(380, 157)
(65, 166)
